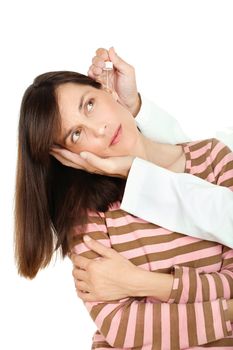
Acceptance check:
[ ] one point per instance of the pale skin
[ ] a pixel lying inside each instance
(89, 147)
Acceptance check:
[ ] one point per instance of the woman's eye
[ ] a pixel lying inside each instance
(75, 136)
(90, 103)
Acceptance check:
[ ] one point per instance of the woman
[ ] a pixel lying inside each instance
(192, 276)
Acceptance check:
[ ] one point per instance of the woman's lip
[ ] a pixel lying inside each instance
(116, 136)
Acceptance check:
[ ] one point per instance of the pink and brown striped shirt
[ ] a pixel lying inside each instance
(196, 315)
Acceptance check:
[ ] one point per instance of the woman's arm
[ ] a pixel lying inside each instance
(183, 285)
(96, 277)
(136, 321)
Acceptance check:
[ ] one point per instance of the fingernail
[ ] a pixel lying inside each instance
(83, 155)
(87, 238)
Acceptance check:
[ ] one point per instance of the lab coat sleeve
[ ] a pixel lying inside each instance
(177, 201)
(157, 124)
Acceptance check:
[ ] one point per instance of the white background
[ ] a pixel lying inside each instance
(182, 53)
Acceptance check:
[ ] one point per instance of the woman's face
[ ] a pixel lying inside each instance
(92, 120)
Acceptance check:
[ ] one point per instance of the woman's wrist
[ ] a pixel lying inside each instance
(151, 284)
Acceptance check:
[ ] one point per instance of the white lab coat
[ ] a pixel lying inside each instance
(180, 202)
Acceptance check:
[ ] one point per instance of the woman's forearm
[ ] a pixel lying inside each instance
(159, 286)
(153, 284)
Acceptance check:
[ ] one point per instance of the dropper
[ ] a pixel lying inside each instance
(108, 68)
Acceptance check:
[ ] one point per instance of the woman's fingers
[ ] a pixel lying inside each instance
(86, 160)
(81, 286)
(122, 66)
(65, 161)
(73, 160)
(112, 166)
(101, 52)
(79, 274)
(70, 156)
(98, 62)
(80, 262)
(96, 71)
(91, 74)
(101, 165)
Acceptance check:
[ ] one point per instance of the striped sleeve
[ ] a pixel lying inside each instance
(190, 285)
(137, 322)
(222, 164)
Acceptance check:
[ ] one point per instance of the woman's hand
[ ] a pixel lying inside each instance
(109, 277)
(124, 78)
(111, 166)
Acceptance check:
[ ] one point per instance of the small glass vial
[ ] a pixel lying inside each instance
(107, 77)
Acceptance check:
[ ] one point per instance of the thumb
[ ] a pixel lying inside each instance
(98, 247)
(117, 61)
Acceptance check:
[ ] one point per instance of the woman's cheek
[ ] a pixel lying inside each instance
(97, 148)
(75, 148)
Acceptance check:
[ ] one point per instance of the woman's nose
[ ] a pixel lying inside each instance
(99, 130)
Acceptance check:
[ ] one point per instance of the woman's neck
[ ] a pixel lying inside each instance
(162, 154)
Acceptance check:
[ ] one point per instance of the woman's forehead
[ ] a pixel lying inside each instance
(68, 91)
(71, 89)
(70, 97)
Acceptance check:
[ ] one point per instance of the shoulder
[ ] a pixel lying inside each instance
(95, 225)
(213, 148)
(209, 147)
(208, 159)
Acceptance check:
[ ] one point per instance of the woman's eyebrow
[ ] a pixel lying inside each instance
(82, 99)
(79, 108)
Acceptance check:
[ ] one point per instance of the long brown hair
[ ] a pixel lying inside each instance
(51, 198)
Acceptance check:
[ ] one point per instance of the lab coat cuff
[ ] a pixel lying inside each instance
(133, 194)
